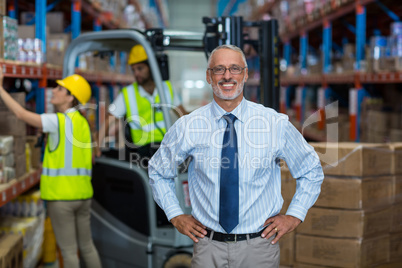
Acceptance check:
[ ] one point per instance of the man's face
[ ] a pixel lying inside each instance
(141, 73)
(227, 86)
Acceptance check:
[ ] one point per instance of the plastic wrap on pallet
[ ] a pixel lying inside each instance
(7, 160)
(6, 144)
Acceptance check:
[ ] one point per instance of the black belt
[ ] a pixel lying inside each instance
(232, 237)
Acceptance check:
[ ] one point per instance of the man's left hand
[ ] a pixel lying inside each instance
(280, 225)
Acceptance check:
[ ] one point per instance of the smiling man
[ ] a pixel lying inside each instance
(234, 176)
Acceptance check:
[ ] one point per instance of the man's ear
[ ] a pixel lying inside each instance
(209, 80)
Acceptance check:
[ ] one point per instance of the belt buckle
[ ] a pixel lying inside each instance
(234, 241)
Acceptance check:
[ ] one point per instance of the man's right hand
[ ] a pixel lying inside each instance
(187, 225)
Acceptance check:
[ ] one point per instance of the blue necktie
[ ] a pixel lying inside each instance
(229, 180)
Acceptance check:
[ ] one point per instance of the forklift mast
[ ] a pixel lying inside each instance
(232, 30)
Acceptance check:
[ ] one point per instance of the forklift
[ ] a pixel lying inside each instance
(128, 227)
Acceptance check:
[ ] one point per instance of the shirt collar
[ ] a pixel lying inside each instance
(239, 111)
(70, 110)
(145, 93)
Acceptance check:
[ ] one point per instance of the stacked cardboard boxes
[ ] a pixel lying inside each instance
(11, 250)
(7, 170)
(25, 215)
(287, 242)
(350, 224)
(396, 219)
(10, 125)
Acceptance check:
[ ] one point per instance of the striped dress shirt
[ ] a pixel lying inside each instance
(264, 137)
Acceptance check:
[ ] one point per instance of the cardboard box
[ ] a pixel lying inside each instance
(287, 246)
(395, 135)
(11, 246)
(28, 31)
(356, 193)
(20, 166)
(5, 260)
(3, 7)
(56, 47)
(395, 249)
(376, 136)
(397, 264)
(19, 145)
(346, 223)
(396, 220)
(285, 207)
(396, 157)
(11, 125)
(342, 252)
(304, 265)
(19, 97)
(381, 120)
(397, 189)
(354, 159)
(288, 185)
(36, 153)
(55, 22)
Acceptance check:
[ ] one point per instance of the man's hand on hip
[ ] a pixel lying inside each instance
(280, 225)
(187, 225)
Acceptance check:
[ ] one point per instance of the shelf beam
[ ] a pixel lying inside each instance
(327, 47)
(303, 52)
(287, 53)
(75, 18)
(12, 12)
(13, 189)
(293, 31)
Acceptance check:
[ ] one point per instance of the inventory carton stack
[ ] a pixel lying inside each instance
(11, 250)
(10, 125)
(25, 215)
(7, 170)
(287, 242)
(350, 224)
(396, 220)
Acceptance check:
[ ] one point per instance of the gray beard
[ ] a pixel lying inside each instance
(219, 94)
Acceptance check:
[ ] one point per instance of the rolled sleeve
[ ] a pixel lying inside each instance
(304, 165)
(118, 107)
(162, 171)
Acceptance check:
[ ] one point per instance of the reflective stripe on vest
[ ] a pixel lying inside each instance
(66, 172)
(145, 119)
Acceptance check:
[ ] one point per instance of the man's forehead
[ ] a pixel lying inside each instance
(226, 57)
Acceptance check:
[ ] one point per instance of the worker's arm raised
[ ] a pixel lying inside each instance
(28, 117)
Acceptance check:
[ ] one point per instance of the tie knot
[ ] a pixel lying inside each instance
(230, 118)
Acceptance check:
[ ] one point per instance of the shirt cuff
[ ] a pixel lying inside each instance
(297, 211)
(173, 211)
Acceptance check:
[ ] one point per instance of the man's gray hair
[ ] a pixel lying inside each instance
(232, 47)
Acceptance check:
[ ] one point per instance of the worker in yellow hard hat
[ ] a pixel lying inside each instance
(65, 182)
(138, 104)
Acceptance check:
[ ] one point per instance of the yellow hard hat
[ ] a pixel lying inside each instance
(137, 54)
(78, 87)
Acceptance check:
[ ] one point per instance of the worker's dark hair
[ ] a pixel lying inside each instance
(75, 101)
(145, 61)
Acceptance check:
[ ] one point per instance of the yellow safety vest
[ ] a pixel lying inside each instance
(66, 173)
(145, 119)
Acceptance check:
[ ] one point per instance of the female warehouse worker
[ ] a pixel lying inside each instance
(66, 176)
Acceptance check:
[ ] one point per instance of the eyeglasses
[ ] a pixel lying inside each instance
(233, 69)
